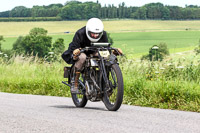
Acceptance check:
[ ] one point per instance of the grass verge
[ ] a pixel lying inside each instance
(171, 84)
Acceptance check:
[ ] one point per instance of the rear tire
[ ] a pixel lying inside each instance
(80, 100)
(113, 98)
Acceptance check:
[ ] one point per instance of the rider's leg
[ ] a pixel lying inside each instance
(78, 67)
(80, 62)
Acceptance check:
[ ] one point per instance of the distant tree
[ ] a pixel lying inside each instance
(120, 8)
(165, 13)
(141, 13)
(20, 11)
(104, 12)
(133, 11)
(175, 12)
(74, 2)
(75, 10)
(192, 6)
(4, 14)
(190, 13)
(90, 9)
(46, 11)
(71, 10)
(54, 6)
(124, 10)
(99, 10)
(154, 10)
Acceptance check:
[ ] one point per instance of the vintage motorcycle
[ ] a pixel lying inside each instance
(100, 80)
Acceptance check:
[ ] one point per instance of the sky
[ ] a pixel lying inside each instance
(10, 4)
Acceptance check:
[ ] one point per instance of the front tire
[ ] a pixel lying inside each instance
(114, 96)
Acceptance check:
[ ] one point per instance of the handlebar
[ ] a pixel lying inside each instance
(99, 48)
(95, 48)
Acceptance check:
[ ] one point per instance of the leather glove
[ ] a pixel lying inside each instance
(117, 53)
(120, 50)
(76, 53)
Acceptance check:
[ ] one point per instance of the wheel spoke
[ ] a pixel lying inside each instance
(113, 77)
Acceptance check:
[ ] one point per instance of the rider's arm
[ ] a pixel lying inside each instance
(68, 54)
(76, 42)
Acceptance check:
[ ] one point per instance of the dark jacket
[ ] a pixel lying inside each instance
(80, 40)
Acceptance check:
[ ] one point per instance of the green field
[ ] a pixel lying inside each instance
(138, 43)
(8, 29)
(133, 36)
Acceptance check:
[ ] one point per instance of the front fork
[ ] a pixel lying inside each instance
(102, 67)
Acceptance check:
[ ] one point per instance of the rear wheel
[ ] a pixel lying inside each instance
(80, 100)
(113, 97)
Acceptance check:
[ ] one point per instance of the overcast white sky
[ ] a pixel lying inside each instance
(9, 4)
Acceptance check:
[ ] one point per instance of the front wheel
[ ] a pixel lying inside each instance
(113, 97)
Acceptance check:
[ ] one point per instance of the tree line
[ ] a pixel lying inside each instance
(75, 10)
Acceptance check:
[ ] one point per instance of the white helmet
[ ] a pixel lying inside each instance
(94, 29)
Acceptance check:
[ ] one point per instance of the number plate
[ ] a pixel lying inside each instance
(104, 53)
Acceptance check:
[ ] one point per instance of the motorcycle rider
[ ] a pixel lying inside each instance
(92, 32)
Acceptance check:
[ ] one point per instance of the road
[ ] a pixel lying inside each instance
(47, 114)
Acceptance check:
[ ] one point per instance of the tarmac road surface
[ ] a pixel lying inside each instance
(47, 114)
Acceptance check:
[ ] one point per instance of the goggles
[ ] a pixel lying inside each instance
(95, 35)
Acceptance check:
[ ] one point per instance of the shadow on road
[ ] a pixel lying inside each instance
(74, 107)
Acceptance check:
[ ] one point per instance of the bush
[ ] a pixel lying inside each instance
(17, 45)
(145, 57)
(197, 49)
(156, 52)
(110, 40)
(163, 49)
(58, 46)
(56, 51)
(36, 43)
(1, 39)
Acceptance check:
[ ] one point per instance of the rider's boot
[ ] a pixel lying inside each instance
(74, 87)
